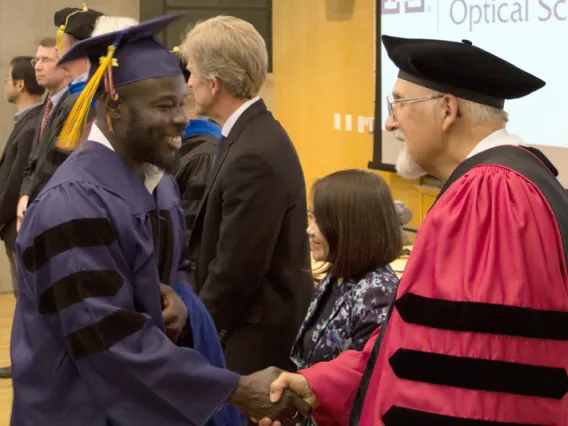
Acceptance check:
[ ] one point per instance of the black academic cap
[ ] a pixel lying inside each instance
(79, 23)
(462, 69)
(117, 59)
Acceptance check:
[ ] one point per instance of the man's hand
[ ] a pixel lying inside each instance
(295, 382)
(20, 210)
(174, 312)
(252, 396)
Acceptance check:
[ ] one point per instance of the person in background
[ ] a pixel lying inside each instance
(93, 342)
(73, 25)
(195, 156)
(54, 112)
(477, 334)
(248, 242)
(109, 24)
(25, 93)
(353, 225)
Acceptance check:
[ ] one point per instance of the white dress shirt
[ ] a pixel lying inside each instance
(235, 116)
(498, 138)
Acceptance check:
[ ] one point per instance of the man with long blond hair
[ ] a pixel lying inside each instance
(248, 241)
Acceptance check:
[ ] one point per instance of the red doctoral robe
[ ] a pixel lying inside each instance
(478, 335)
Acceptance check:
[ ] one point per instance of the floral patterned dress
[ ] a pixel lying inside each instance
(343, 317)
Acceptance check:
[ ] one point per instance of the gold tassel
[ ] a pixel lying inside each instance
(62, 28)
(59, 37)
(70, 136)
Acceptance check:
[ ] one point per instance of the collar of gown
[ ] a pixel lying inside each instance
(495, 139)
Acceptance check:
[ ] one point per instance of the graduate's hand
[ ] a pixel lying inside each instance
(174, 312)
(252, 396)
(20, 210)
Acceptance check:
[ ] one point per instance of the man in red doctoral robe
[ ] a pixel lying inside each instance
(478, 334)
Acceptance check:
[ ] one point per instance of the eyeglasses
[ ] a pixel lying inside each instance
(391, 102)
(36, 61)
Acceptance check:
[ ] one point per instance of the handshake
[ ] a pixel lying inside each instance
(273, 397)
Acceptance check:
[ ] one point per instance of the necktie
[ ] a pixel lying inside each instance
(48, 107)
(218, 149)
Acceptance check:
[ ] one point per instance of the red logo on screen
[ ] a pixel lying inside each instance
(391, 7)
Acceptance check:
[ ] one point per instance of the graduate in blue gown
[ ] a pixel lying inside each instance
(100, 336)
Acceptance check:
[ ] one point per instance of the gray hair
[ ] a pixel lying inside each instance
(230, 50)
(480, 113)
(109, 24)
(484, 113)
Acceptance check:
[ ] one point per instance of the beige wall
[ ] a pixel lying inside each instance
(22, 24)
(267, 92)
(322, 67)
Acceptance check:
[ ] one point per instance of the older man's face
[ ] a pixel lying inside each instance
(203, 94)
(415, 124)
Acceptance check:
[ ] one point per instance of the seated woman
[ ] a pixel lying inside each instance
(354, 226)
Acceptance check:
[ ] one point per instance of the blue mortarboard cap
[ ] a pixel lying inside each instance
(138, 55)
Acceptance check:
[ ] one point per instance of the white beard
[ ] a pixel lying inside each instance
(406, 167)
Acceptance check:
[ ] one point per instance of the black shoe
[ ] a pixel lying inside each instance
(6, 372)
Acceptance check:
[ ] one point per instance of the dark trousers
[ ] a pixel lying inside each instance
(10, 246)
(13, 269)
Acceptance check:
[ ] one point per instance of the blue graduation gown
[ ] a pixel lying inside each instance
(88, 344)
(204, 338)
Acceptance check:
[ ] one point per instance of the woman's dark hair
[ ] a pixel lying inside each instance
(355, 212)
(22, 69)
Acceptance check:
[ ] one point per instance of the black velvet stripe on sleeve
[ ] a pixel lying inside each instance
(480, 374)
(77, 233)
(483, 317)
(163, 234)
(102, 335)
(399, 416)
(77, 287)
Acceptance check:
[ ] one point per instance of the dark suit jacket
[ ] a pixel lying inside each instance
(39, 169)
(12, 165)
(249, 244)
